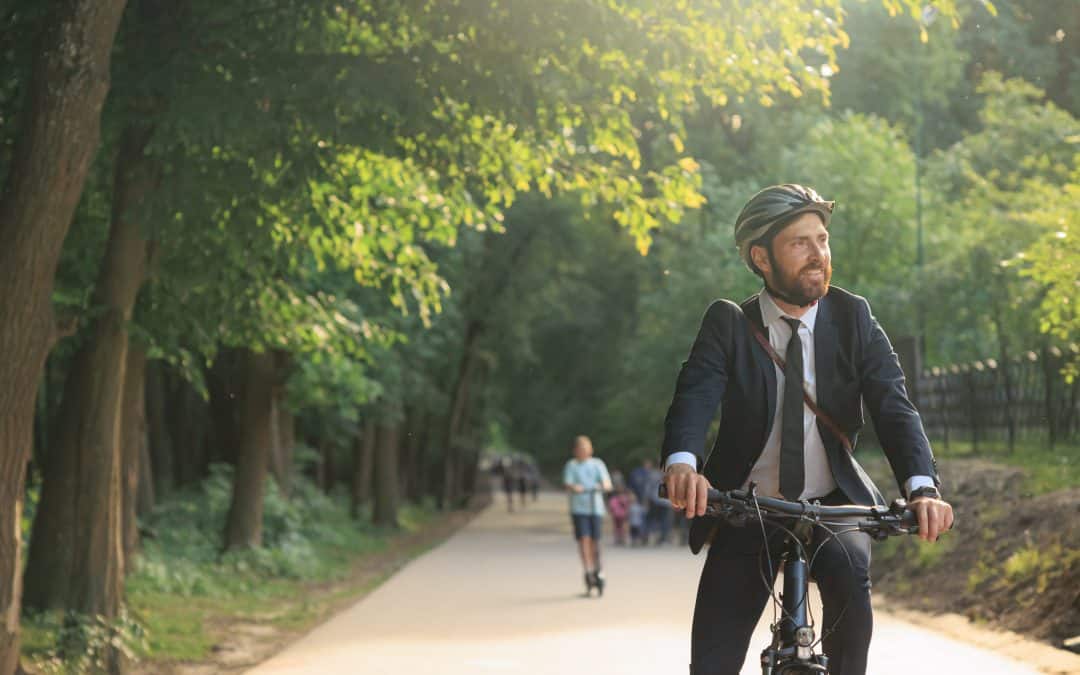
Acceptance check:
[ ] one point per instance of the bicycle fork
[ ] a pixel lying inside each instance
(792, 646)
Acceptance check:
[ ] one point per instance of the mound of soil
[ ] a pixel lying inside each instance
(1012, 560)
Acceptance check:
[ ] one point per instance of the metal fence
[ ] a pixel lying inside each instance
(995, 402)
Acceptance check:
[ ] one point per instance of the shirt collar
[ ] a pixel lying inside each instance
(771, 314)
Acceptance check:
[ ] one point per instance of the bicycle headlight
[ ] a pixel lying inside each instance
(804, 637)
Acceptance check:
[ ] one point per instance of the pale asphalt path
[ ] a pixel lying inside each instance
(504, 595)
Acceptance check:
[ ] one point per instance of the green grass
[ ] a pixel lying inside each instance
(1048, 469)
(182, 587)
(921, 555)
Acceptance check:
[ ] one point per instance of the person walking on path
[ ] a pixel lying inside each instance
(586, 478)
(788, 425)
(635, 516)
(508, 483)
(638, 479)
(659, 514)
(521, 480)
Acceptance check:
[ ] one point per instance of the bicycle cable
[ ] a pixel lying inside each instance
(829, 630)
(771, 582)
(776, 601)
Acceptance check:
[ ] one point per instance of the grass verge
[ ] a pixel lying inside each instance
(185, 599)
(1046, 469)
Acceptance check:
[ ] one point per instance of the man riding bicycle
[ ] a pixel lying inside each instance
(789, 430)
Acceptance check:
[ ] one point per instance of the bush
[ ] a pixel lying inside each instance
(84, 644)
(183, 553)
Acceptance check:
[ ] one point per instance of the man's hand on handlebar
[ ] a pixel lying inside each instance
(935, 516)
(687, 489)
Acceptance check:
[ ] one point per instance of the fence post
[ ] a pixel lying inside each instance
(972, 405)
(941, 379)
(1050, 357)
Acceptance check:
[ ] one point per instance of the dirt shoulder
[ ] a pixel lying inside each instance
(243, 642)
(1013, 561)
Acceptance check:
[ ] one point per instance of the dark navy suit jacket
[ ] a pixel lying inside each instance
(854, 362)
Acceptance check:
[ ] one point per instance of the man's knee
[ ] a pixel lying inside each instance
(844, 587)
(717, 662)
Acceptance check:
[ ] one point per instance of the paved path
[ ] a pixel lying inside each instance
(504, 596)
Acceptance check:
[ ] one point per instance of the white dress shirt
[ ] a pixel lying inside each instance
(818, 478)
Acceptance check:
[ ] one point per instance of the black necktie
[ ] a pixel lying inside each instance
(791, 436)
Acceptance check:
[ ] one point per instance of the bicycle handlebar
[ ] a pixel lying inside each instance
(878, 521)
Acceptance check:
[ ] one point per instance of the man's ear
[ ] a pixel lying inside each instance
(761, 258)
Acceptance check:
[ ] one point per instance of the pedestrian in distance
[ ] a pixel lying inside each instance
(618, 506)
(523, 481)
(635, 518)
(508, 483)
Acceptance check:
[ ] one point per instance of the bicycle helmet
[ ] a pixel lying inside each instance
(777, 204)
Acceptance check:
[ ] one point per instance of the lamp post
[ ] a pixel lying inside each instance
(927, 17)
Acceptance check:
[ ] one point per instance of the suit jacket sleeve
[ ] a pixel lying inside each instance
(701, 384)
(897, 423)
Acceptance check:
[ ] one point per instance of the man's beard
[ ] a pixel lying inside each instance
(798, 288)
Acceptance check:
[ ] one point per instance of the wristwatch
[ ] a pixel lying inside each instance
(925, 491)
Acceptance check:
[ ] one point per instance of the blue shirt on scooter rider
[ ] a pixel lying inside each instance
(591, 474)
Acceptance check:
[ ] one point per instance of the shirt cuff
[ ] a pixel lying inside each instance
(914, 483)
(683, 458)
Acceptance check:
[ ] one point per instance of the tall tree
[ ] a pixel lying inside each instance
(388, 446)
(243, 527)
(60, 132)
(78, 524)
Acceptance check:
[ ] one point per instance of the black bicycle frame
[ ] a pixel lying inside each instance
(791, 650)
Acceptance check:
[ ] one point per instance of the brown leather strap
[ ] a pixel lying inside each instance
(779, 360)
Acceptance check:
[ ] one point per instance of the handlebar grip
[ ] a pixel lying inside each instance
(911, 519)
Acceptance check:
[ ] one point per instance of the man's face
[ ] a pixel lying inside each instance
(583, 450)
(800, 264)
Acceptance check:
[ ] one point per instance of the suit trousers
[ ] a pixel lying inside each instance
(733, 592)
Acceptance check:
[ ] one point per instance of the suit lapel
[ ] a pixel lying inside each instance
(825, 340)
(752, 310)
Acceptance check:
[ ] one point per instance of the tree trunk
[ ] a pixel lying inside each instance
(192, 448)
(133, 444)
(144, 495)
(430, 477)
(330, 469)
(76, 557)
(387, 447)
(471, 417)
(363, 465)
(418, 483)
(286, 429)
(280, 450)
(320, 465)
(225, 381)
(60, 131)
(454, 419)
(274, 459)
(416, 426)
(243, 527)
(160, 440)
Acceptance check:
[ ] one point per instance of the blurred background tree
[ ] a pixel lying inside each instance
(349, 248)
